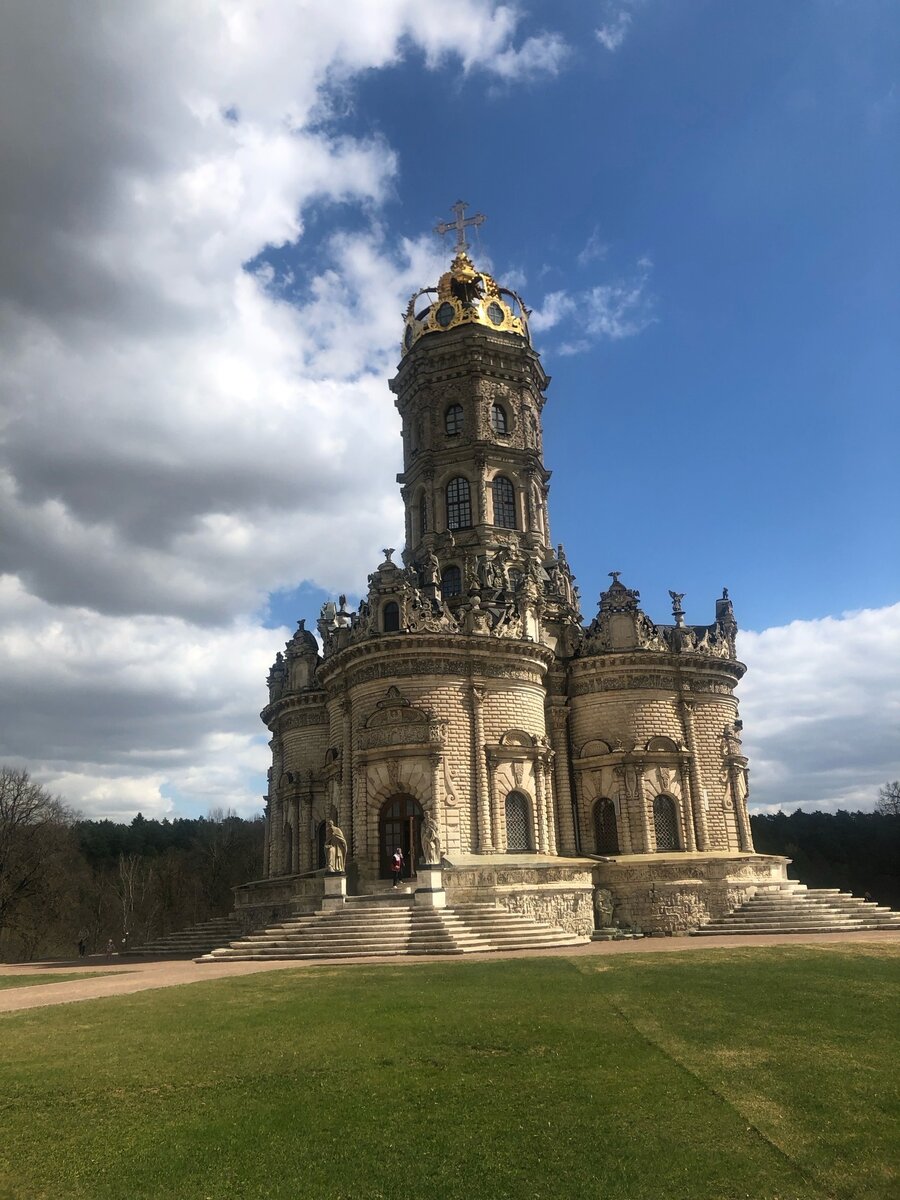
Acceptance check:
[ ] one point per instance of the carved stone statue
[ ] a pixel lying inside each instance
(431, 841)
(335, 848)
(431, 570)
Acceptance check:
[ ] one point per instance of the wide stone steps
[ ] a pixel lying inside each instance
(795, 908)
(368, 928)
(196, 939)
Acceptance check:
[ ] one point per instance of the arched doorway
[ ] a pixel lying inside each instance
(606, 835)
(518, 835)
(665, 823)
(399, 824)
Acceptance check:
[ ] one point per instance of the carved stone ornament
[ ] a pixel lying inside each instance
(396, 722)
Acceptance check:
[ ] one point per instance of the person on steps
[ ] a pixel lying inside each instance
(397, 866)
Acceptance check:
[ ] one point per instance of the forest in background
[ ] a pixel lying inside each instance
(63, 878)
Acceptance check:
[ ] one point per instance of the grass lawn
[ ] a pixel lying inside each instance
(11, 981)
(758, 1073)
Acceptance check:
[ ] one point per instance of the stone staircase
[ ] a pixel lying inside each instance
(196, 939)
(393, 926)
(795, 908)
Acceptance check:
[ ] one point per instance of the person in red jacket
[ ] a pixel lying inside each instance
(397, 865)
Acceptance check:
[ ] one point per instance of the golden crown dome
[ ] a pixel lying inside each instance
(464, 296)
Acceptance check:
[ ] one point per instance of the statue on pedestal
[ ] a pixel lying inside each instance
(335, 848)
(431, 841)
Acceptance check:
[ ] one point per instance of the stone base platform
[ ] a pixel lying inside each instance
(677, 893)
(648, 893)
(556, 891)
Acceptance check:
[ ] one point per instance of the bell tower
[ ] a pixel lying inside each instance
(470, 390)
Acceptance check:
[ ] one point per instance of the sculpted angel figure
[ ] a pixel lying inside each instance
(335, 847)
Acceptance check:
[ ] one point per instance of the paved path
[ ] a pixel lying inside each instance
(140, 975)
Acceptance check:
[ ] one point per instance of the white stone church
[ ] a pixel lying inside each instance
(579, 773)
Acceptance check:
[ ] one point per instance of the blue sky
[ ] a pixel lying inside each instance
(212, 222)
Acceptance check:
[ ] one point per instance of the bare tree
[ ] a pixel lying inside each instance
(34, 837)
(889, 799)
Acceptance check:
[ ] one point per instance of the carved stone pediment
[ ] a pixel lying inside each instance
(396, 722)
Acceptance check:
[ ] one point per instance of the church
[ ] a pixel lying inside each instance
(586, 773)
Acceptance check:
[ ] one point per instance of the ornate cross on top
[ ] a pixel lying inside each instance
(460, 225)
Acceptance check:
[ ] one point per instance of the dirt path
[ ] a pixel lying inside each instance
(138, 975)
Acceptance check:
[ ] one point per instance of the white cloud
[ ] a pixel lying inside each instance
(120, 713)
(542, 55)
(182, 437)
(607, 311)
(612, 33)
(593, 249)
(821, 709)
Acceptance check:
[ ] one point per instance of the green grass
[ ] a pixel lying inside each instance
(708, 1075)
(13, 981)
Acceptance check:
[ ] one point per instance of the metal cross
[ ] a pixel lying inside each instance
(460, 225)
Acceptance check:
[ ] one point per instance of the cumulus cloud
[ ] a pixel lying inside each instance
(183, 434)
(607, 311)
(821, 709)
(120, 714)
(612, 33)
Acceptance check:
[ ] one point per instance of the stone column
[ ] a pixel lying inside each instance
(358, 842)
(546, 765)
(481, 488)
(295, 833)
(627, 798)
(684, 775)
(696, 796)
(565, 800)
(345, 809)
(737, 767)
(430, 506)
(479, 774)
(267, 840)
(541, 805)
(306, 840)
(496, 836)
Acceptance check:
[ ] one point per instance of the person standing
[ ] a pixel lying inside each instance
(397, 866)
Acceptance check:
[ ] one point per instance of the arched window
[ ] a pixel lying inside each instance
(606, 836)
(459, 504)
(453, 420)
(665, 823)
(517, 833)
(390, 617)
(451, 582)
(423, 514)
(504, 502)
(498, 418)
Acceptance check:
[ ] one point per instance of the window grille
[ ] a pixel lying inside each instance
(459, 504)
(390, 617)
(517, 822)
(606, 835)
(504, 503)
(498, 418)
(451, 582)
(665, 824)
(453, 420)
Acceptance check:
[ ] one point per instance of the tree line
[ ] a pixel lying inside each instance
(65, 879)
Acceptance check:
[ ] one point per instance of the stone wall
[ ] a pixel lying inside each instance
(557, 895)
(267, 901)
(672, 896)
